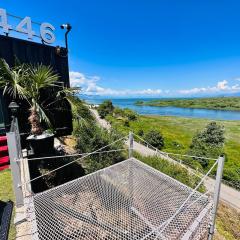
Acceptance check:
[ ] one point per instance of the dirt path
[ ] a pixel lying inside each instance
(102, 122)
(228, 195)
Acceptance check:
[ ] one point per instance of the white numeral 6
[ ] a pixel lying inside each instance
(46, 32)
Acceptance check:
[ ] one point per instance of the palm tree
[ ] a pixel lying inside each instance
(39, 78)
(27, 82)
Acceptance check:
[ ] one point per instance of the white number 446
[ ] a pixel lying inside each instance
(25, 26)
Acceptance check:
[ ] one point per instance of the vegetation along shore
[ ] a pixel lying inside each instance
(186, 135)
(201, 137)
(216, 103)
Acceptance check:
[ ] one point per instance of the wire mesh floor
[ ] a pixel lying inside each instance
(128, 200)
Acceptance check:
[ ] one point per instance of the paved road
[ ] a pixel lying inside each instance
(228, 195)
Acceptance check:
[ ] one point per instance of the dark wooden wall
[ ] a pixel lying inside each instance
(35, 53)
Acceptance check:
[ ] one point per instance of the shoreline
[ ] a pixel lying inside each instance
(212, 113)
(203, 108)
(209, 103)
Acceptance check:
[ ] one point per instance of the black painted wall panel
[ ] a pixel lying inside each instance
(34, 53)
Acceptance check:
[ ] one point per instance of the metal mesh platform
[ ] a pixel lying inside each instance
(128, 200)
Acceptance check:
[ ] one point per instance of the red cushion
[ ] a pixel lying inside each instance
(4, 160)
(3, 148)
(4, 167)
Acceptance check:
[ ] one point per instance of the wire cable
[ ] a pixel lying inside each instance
(87, 155)
(176, 154)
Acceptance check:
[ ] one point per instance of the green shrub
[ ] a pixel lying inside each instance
(140, 132)
(213, 134)
(130, 114)
(208, 143)
(90, 138)
(105, 108)
(83, 112)
(126, 123)
(118, 112)
(155, 138)
(232, 176)
(125, 113)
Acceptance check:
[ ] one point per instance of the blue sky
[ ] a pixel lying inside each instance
(146, 47)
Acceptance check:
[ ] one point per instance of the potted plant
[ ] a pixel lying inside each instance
(28, 82)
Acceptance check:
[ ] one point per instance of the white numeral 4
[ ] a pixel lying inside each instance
(28, 30)
(3, 21)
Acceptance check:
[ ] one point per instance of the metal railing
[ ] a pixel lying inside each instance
(15, 153)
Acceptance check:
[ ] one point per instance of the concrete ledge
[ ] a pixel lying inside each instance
(23, 226)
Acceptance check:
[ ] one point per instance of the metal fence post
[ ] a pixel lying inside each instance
(15, 153)
(130, 150)
(217, 190)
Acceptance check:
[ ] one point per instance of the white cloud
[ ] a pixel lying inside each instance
(89, 85)
(236, 87)
(77, 79)
(221, 86)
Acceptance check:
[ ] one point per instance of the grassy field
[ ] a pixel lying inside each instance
(227, 224)
(220, 103)
(178, 133)
(6, 193)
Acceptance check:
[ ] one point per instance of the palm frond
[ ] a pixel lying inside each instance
(12, 80)
(70, 95)
(42, 77)
(27, 81)
(5, 70)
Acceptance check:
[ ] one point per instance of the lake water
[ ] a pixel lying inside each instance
(169, 111)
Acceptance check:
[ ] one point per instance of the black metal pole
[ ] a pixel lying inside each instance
(69, 28)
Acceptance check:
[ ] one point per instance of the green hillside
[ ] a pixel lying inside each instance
(218, 103)
(178, 133)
